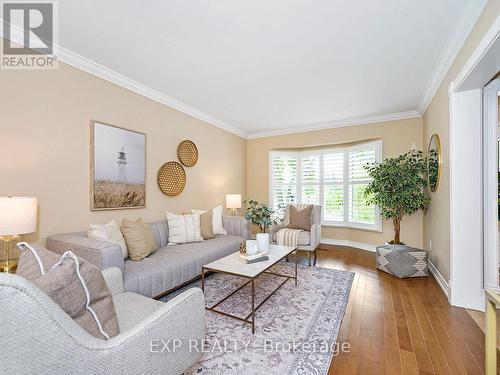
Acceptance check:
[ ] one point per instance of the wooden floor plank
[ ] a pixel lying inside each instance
(399, 326)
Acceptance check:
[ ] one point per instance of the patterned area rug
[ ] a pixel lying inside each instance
(295, 329)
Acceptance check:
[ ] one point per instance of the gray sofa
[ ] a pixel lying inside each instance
(168, 267)
(38, 337)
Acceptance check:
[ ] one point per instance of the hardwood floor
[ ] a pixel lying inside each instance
(396, 326)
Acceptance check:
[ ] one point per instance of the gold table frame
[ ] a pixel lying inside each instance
(252, 282)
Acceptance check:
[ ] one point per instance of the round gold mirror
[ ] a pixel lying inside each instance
(434, 162)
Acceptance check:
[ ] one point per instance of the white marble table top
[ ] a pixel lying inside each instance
(235, 265)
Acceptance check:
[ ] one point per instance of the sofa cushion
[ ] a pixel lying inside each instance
(171, 266)
(183, 228)
(304, 238)
(207, 231)
(109, 232)
(132, 308)
(76, 285)
(139, 238)
(300, 219)
(160, 232)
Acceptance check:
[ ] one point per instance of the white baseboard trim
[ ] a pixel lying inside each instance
(357, 245)
(443, 284)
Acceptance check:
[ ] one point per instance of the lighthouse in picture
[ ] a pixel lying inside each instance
(122, 165)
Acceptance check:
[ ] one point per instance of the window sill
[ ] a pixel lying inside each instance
(341, 226)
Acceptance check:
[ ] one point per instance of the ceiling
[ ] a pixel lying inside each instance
(268, 67)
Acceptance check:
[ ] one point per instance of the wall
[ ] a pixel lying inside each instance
(436, 120)
(45, 152)
(397, 138)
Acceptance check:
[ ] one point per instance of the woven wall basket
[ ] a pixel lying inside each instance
(187, 152)
(171, 178)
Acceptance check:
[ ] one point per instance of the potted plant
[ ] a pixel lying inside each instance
(263, 217)
(398, 188)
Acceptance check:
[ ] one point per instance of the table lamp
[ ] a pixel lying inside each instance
(233, 202)
(17, 216)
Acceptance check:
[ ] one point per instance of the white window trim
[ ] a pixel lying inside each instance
(377, 145)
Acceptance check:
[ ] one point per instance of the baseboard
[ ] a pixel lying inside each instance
(357, 245)
(443, 284)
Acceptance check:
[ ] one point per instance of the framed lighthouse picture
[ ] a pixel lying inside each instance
(117, 167)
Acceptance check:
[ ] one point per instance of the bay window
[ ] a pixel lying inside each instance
(333, 177)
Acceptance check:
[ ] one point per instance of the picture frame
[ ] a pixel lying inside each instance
(117, 167)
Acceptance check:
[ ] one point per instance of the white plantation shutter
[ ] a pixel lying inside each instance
(334, 178)
(310, 178)
(283, 179)
(333, 186)
(359, 211)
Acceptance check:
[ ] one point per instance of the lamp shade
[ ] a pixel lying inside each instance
(17, 215)
(233, 200)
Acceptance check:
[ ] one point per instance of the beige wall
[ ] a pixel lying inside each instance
(44, 144)
(397, 138)
(436, 120)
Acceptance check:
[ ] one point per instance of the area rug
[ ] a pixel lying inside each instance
(295, 329)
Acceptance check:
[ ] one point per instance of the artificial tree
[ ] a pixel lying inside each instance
(398, 187)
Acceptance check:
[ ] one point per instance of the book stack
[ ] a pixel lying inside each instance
(259, 257)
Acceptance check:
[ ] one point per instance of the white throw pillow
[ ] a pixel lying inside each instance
(109, 232)
(217, 226)
(183, 228)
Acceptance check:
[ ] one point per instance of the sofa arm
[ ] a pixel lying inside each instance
(182, 321)
(114, 280)
(315, 235)
(237, 225)
(102, 254)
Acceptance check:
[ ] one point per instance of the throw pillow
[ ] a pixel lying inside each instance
(217, 226)
(76, 285)
(300, 219)
(183, 228)
(206, 225)
(139, 238)
(109, 232)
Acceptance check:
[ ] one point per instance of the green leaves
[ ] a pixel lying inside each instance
(260, 214)
(398, 185)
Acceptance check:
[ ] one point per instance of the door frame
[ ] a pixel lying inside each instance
(467, 183)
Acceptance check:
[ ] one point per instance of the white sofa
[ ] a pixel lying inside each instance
(38, 337)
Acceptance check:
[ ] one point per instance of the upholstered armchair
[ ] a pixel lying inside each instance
(308, 240)
(38, 337)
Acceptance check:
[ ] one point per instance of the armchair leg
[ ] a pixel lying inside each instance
(315, 257)
(309, 257)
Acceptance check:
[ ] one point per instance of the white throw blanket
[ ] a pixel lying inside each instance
(288, 237)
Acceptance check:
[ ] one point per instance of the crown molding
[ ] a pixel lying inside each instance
(463, 27)
(336, 124)
(100, 71)
(488, 40)
(71, 58)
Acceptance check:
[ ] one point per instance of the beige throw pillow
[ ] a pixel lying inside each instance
(76, 285)
(217, 226)
(109, 232)
(206, 225)
(300, 219)
(183, 228)
(139, 238)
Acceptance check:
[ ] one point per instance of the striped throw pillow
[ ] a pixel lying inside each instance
(183, 228)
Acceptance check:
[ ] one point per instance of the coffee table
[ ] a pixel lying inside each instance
(234, 265)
